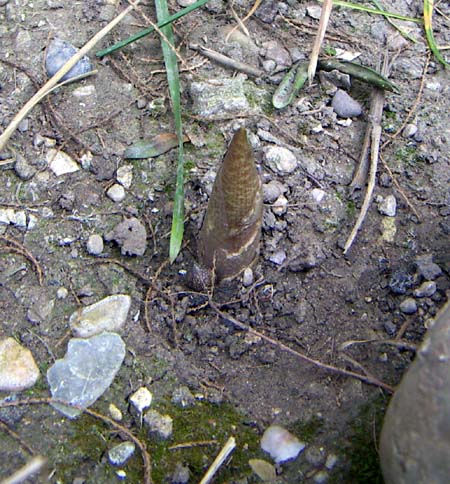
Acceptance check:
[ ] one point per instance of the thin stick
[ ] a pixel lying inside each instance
(323, 366)
(219, 460)
(323, 23)
(27, 471)
(374, 128)
(228, 61)
(43, 91)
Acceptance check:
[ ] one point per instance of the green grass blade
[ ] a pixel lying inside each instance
(428, 25)
(168, 20)
(173, 79)
(355, 6)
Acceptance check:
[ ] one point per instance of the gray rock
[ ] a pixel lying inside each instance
(427, 268)
(388, 206)
(276, 52)
(248, 277)
(408, 306)
(119, 454)
(321, 477)
(116, 193)
(23, 169)
(409, 131)
(183, 397)
(180, 474)
(414, 443)
(280, 205)
(18, 370)
(86, 371)
(125, 175)
(278, 257)
(224, 97)
(109, 314)
(314, 11)
(335, 78)
(272, 190)
(58, 53)
(331, 461)
(390, 328)
(94, 244)
(130, 235)
(400, 282)
(426, 289)
(267, 11)
(161, 425)
(280, 160)
(345, 106)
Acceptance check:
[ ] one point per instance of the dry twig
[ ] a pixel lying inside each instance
(29, 470)
(222, 456)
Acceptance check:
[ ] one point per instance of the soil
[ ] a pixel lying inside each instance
(314, 302)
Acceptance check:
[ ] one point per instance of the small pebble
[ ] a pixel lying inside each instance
(94, 244)
(331, 461)
(119, 454)
(269, 65)
(278, 257)
(84, 91)
(183, 397)
(388, 206)
(248, 278)
(58, 53)
(115, 412)
(141, 399)
(409, 131)
(314, 11)
(161, 425)
(317, 194)
(124, 175)
(180, 475)
(281, 160)
(426, 289)
(427, 268)
(272, 190)
(116, 193)
(390, 328)
(321, 477)
(18, 370)
(408, 306)
(345, 106)
(23, 125)
(61, 163)
(62, 293)
(280, 205)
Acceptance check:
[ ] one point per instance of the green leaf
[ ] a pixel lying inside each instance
(288, 88)
(428, 25)
(168, 20)
(173, 79)
(363, 73)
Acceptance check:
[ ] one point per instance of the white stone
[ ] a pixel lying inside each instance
(124, 175)
(32, 221)
(109, 314)
(141, 399)
(280, 205)
(388, 206)
(18, 369)
(317, 194)
(94, 244)
(280, 444)
(281, 160)
(314, 11)
(61, 163)
(10, 216)
(278, 257)
(84, 91)
(116, 193)
(120, 453)
(62, 293)
(247, 277)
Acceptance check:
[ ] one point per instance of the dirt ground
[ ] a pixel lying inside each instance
(306, 294)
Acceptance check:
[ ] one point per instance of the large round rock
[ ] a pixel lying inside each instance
(415, 439)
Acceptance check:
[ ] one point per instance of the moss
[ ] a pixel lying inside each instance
(307, 430)
(361, 449)
(407, 155)
(350, 208)
(204, 422)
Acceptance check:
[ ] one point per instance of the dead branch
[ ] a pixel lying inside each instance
(324, 366)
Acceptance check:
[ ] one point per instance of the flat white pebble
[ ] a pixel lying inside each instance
(94, 244)
(116, 193)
